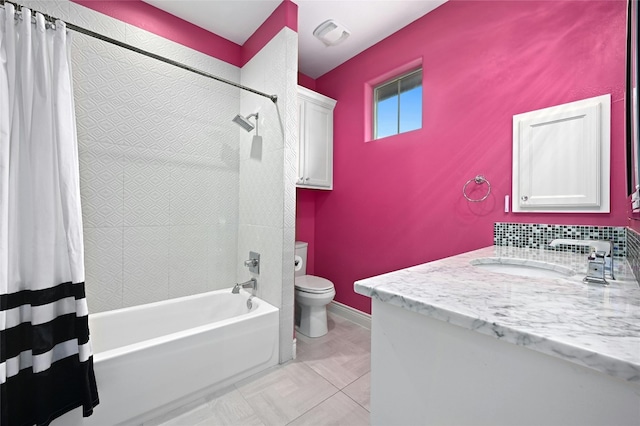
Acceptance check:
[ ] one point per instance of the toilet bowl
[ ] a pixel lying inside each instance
(312, 295)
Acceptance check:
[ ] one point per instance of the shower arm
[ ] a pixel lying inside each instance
(255, 114)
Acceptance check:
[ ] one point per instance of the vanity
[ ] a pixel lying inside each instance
(464, 341)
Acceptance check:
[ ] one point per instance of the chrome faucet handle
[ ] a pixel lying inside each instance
(253, 263)
(602, 246)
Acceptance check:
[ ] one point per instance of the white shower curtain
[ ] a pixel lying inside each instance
(46, 364)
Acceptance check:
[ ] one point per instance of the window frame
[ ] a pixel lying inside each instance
(397, 79)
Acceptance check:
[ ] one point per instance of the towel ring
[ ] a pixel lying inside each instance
(479, 180)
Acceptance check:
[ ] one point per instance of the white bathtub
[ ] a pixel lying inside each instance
(153, 358)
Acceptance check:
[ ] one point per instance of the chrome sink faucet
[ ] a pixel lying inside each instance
(596, 267)
(252, 284)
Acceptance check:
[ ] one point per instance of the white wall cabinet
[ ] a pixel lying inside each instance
(315, 146)
(561, 158)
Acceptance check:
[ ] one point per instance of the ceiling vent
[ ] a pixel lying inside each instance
(331, 33)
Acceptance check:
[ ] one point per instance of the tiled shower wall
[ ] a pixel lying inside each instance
(267, 177)
(174, 194)
(159, 165)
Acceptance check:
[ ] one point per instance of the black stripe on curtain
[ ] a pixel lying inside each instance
(38, 398)
(42, 297)
(29, 398)
(42, 338)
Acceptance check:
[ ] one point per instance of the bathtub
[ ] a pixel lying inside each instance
(151, 359)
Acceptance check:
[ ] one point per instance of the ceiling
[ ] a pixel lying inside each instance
(369, 21)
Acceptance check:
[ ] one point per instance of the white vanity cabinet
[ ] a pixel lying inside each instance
(453, 344)
(315, 145)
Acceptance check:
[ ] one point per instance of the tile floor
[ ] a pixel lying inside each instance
(327, 384)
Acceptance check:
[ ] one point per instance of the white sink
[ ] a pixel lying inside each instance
(523, 268)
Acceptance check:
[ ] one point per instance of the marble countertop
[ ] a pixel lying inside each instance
(588, 324)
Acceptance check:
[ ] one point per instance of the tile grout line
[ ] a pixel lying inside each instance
(122, 231)
(364, 408)
(318, 404)
(237, 389)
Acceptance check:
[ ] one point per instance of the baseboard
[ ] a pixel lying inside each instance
(350, 313)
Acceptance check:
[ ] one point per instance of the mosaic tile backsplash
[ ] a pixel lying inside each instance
(535, 235)
(633, 251)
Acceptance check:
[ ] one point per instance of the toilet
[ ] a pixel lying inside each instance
(312, 295)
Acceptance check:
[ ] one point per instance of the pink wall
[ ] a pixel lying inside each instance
(306, 81)
(397, 201)
(156, 21)
(285, 15)
(305, 223)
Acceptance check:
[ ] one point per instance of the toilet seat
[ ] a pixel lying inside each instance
(313, 284)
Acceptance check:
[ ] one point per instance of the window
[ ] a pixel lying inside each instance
(397, 105)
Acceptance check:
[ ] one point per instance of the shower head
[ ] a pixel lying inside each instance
(244, 121)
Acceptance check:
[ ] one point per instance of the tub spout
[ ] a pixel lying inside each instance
(252, 284)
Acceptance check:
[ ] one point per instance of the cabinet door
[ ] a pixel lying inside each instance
(301, 134)
(318, 145)
(558, 158)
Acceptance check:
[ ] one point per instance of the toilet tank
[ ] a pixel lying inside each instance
(301, 252)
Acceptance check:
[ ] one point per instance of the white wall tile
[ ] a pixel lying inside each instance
(222, 253)
(288, 256)
(146, 187)
(166, 170)
(159, 159)
(261, 190)
(102, 184)
(188, 260)
(96, 22)
(99, 114)
(203, 190)
(177, 52)
(286, 329)
(267, 192)
(103, 262)
(291, 132)
(116, 102)
(146, 265)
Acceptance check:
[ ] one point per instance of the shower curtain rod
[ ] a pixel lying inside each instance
(49, 18)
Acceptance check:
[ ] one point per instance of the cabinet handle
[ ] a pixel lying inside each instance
(524, 198)
(306, 179)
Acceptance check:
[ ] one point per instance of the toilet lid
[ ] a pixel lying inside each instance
(313, 284)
